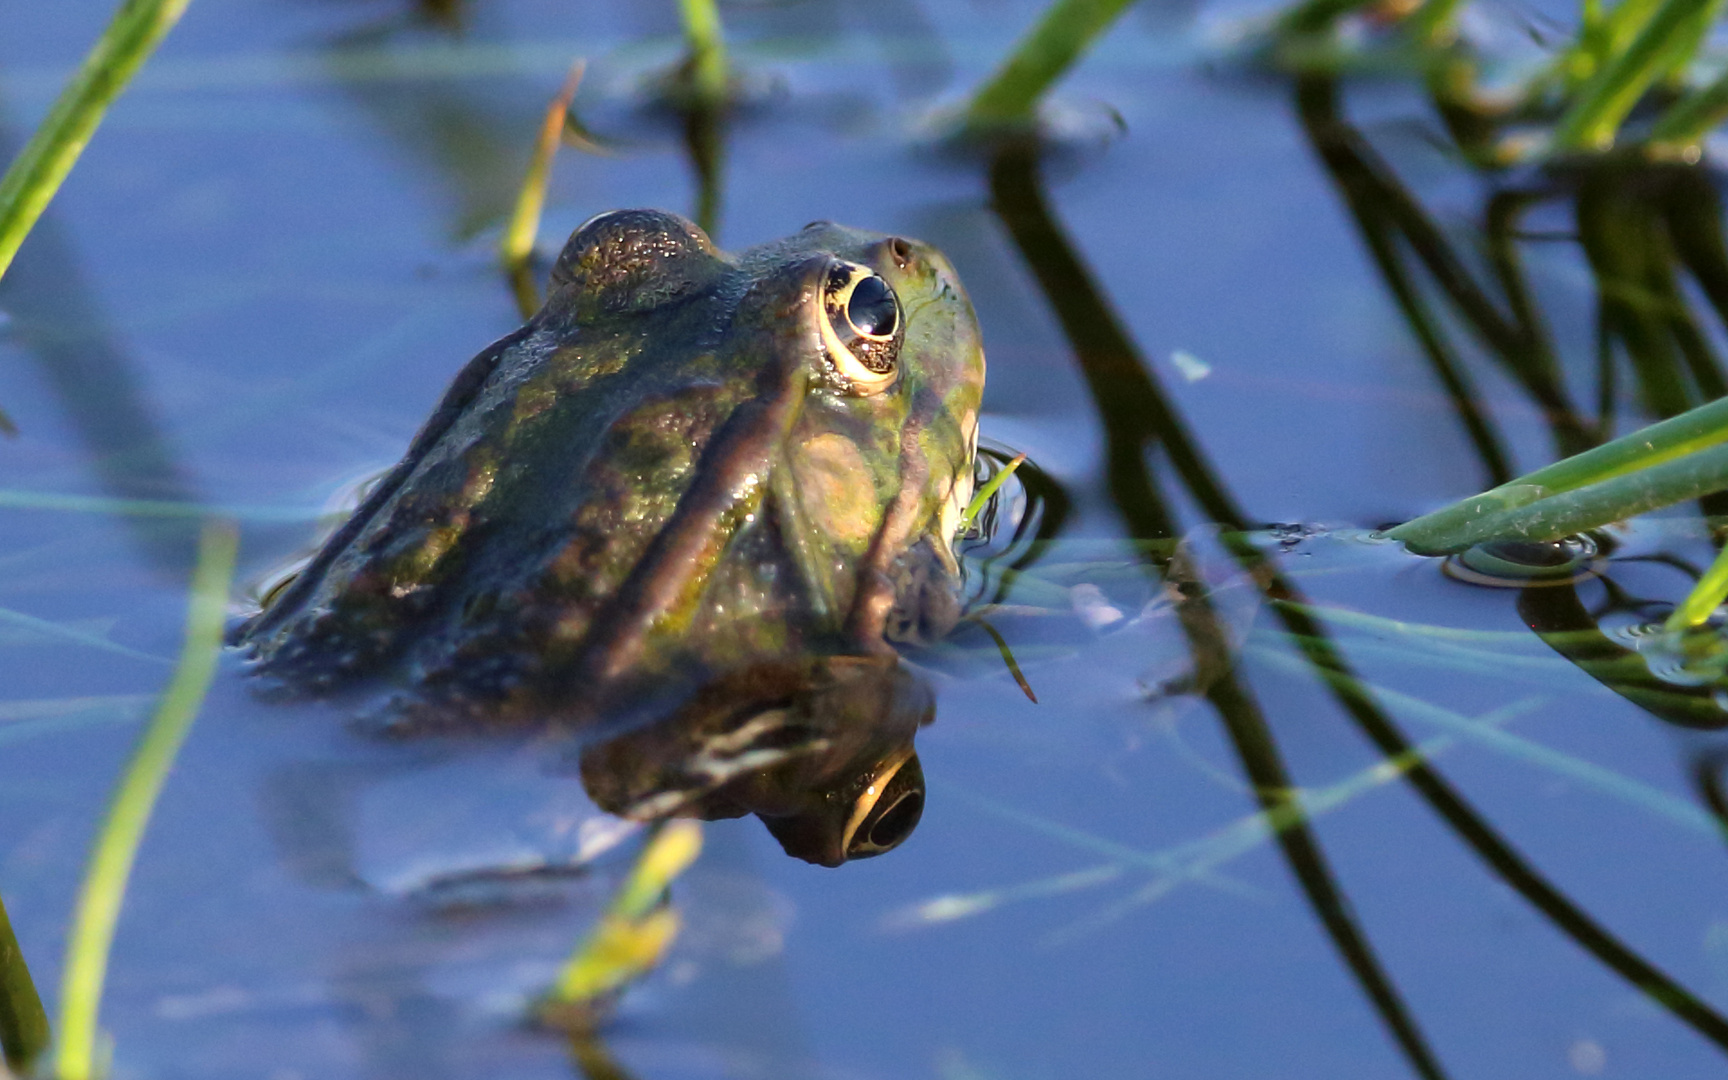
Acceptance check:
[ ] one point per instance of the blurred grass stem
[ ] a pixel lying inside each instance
(1007, 99)
(33, 178)
(709, 73)
(110, 864)
(23, 1023)
(1664, 43)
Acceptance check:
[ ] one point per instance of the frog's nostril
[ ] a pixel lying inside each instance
(901, 251)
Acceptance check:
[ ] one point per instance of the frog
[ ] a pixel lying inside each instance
(690, 469)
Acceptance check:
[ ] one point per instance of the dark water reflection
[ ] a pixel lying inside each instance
(1499, 820)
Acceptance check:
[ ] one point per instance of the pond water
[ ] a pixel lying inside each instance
(280, 248)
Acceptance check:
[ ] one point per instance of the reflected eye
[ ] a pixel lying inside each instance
(888, 811)
(862, 331)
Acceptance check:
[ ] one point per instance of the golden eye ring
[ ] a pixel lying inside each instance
(862, 326)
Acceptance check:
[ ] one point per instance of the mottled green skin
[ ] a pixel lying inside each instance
(660, 479)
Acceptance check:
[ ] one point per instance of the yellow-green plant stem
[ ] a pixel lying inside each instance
(33, 178)
(1705, 597)
(635, 931)
(991, 486)
(1007, 99)
(110, 865)
(517, 243)
(708, 68)
(1605, 99)
(23, 1023)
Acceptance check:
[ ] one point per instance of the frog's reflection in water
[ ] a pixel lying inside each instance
(820, 750)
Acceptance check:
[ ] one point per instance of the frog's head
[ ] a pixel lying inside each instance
(878, 466)
(840, 374)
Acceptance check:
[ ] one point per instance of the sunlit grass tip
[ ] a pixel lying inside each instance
(516, 245)
(981, 498)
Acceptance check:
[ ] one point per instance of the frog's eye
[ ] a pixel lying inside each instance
(862, 330)
(887, 811)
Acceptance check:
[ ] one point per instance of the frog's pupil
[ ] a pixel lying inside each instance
(872, 309)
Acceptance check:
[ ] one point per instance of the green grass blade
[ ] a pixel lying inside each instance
(31, 180)
(982, 496)
(1458, 526)
(1604, 101)
(1705, 597)
(1599, 504)
(709, 74)
(110, 864)
(23, 1023)
(1009, 96)
(1688, 120)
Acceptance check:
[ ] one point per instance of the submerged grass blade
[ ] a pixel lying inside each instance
(517, 243)
(1458, 526)
(23, 1023)
(110, 864)
(633, 934)
(1595, 117)
(1587, 774)
(1008, 659)
(1007, 99)
(33, 178)
(1705, 597)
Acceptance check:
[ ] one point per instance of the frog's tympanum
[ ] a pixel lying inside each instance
(693, 485)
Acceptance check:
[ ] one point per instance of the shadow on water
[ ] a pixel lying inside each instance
(56, 319)
(1137, 417)
(1651, 235)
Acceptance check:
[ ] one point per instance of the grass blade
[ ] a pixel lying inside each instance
(1688, 120)
(1463, 523)
(708, 71)
(1705, 597)
(1008, 97)
(23, 1024)
(631, 937)
(1594, 505)
(517, 243)
(1604, 101)
(31, 180)
(991, 486)
(110, 864)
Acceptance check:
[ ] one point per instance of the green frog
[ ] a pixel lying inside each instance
(689, 470)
